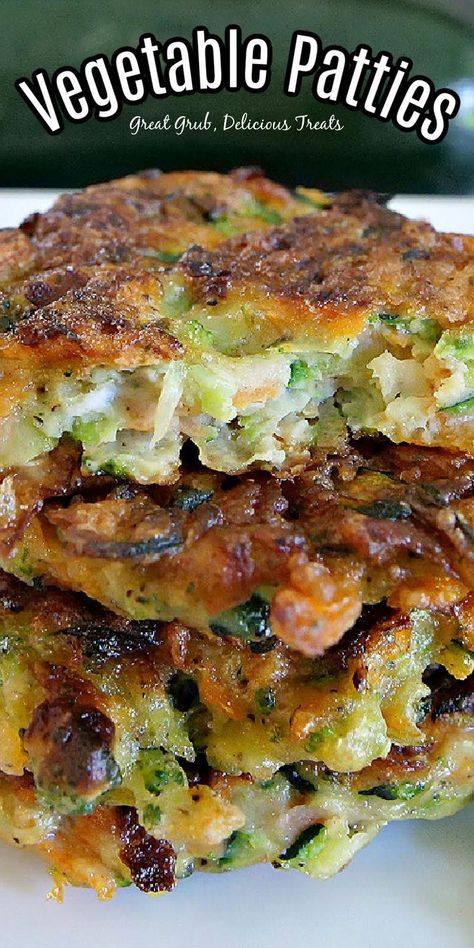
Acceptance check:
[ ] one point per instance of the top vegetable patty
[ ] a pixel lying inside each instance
(226, 311)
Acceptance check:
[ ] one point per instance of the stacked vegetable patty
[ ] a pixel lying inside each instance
(237, 498)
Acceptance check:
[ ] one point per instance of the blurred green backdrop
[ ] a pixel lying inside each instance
(437, 35)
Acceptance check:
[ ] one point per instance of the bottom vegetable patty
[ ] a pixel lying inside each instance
(139, 752)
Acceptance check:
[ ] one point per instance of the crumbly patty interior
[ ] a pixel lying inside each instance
(267, 411)
(141, 752)
(257, 348)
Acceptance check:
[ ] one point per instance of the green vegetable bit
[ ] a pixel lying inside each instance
(114, 468)
(193, 331)
(425, 329)
(151, 816)
(317, 737)
(176, 300)
(167, 256)
(386, 510)
(256, 208)
(299, 372)
(299, 850)
(266, 700)
(160, 769)
(248, 621)
(465, 528)
(6, 323)
(189, 498)
(466, 406)
(400, 791)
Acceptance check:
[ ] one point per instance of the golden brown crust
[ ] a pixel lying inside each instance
(354, 529)
(17, 256)
(85, 640)
(121, 220)
(23, 490)
(94, 297)
(213, 557)
(151, 861)
(356, 256)
(110, 320)
(69, 744)
(79, 283)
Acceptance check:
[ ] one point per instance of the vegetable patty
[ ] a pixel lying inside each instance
(140, 752)
(245, 631)
(227, 312)
(255, 557)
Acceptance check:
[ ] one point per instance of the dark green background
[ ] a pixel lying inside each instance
(51, 33)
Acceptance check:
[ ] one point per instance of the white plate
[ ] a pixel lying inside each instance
(411, 887)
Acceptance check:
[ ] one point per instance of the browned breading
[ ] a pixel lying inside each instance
(124, 229)
(111, 319)
(208, 559)
(355, 256)
(355, 528)
(17, 258)
(23, 491)
(319, 275)
(143, 214)
(68, 642)
(73, 742)
(151, 861)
